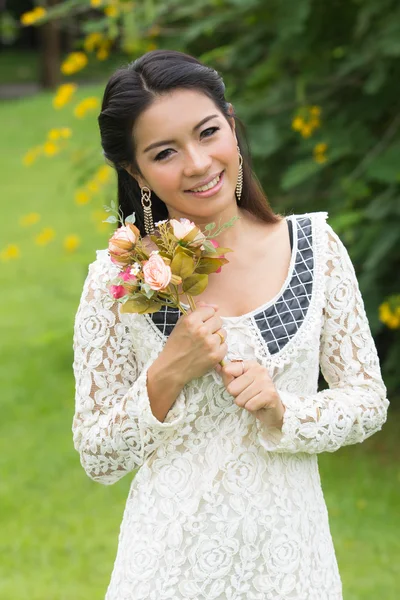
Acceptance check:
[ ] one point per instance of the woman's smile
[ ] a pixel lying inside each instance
(210, 189)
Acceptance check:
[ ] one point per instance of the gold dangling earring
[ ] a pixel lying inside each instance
(239, 184)
(148, 216)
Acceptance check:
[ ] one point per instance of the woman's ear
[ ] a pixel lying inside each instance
(231, 117)
(141, 182)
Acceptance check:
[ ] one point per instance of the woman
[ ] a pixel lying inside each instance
(227, 501)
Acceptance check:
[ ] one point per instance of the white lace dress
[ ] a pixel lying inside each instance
(223, 508)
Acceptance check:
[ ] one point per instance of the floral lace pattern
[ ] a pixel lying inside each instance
(223, 508)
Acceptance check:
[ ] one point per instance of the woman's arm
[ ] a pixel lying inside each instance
(355, 405)
(115, 426)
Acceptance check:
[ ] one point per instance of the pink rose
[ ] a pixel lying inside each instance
(117, 291)
(130, 279)
(127, 275)
(216, 245)
(156, 273)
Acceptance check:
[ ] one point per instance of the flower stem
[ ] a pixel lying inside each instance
(192, 303)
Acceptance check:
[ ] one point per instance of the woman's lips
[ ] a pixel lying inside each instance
(212, 191)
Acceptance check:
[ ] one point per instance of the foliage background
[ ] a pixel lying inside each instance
(278, 59)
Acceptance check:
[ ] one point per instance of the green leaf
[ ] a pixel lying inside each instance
(131, 218)
(209, 226)
(210, 265)
(383, 246)
(148, 291)
(137, 305)
(195, 285)
(110, 219)
(265, 138)
(182, 264)
(208, 247)
(299, 172)
(386, 167)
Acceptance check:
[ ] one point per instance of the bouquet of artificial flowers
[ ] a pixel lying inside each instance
(181, 263)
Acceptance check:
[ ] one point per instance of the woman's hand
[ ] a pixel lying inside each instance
(194, 346)
(252, 387)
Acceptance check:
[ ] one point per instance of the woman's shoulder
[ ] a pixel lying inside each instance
(319, 215)
(102, 269)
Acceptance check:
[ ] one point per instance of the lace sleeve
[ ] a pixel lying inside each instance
(114, 429)
(355, 405)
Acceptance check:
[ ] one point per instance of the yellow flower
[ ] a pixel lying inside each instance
(54, 134)
(65, 132)
(74, 63)
(93, 186)
(45, 236)
(111, 11)
(50, 148)
(103, 174)
(39, 12)
(27, 18)
(320, 158)
(391, 319)
(315, 111)
(12, 251)
(64, 94)
(320, 148)
(32, 16)
(71, 242)
(29, 219)
(96, 3)
(306, 130)
(315, 123)
(85, 105)
(31, 156)
(81, 197)
(298, 123)
(102, 54)
(154, 31)
(394, 322)
(384, 312)
(151, 46)
(92, 41)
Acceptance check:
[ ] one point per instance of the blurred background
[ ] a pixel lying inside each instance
(317, 86)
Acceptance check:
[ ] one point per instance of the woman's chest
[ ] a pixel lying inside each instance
(276, 329)
(244, 284)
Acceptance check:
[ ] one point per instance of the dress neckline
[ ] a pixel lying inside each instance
(288, 278)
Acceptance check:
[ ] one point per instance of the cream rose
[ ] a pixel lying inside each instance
(182, 227)
(123, 239)
(156, 273)
(122, 243)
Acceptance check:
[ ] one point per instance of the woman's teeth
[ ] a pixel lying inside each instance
(210, 185)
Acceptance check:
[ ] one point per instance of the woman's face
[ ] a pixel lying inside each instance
(182, 140)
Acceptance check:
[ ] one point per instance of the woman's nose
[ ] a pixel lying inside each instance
(197, 161)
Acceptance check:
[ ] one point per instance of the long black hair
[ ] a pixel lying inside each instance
(130, 91)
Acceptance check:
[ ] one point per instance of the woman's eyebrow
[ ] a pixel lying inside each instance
(164, 142)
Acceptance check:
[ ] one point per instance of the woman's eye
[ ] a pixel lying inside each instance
(162, 155)
(205, 133)
(211, 131)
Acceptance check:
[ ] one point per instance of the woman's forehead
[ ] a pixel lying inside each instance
(181, 109)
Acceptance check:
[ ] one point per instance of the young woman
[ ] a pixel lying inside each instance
(227, 502)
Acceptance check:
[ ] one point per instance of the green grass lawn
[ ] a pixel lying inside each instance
(58, 528)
